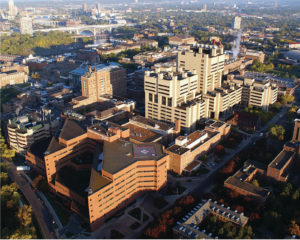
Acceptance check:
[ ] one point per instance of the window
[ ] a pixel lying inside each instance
(163, 100)
(170, 102)
(156, 99)
(150, 97)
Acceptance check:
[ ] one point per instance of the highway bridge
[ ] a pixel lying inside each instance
(92, 30)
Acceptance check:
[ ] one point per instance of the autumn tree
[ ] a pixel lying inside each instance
(277, 131)
(25, 215)
(294, 229)
(219, 150)
(228, 168)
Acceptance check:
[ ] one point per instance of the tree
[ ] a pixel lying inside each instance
(294, 228)
(277, 131)
(4, 178)
(296, 194)
(276, 105)
(287, 190)
(219, 150)
(25, 215)
(285, 99)
(228, 168)
(5, 152)
(255, 183)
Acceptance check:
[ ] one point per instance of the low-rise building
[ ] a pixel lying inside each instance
(13, 74)
(293, 45)
(189, 227)
(253, 55)
(119, 48)
(241, 181)
(181, 39)
(245, 121)
(187, 149)
(279, 167)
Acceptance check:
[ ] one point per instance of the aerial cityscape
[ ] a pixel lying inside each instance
(148, 119)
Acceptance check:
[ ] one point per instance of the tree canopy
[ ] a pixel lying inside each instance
(24, 44)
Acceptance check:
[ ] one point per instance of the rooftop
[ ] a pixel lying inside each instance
(281, 159)
(263, 193)
(40, 147)
(99, 67)
(121, 153)
(54, 146)
(152, 123)
(70, 130)
(141, 134)
(191, 142)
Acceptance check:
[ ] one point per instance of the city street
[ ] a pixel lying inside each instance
(41, 212)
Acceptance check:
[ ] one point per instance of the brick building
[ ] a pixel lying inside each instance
(188, 148)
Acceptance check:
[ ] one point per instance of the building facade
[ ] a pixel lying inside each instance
(236, 23)
(208, 61)
(13, 74)
(26, 25)
(109, 80)
(172, 95)
(256, 91)
(24, 131)
(187, 149)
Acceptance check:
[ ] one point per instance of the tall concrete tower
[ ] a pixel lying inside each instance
(84, 7)
(98, 7)
(236, 23)
(26, 25)
(12, 9)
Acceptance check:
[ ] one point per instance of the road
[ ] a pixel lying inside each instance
(40, 211)
(207, 182)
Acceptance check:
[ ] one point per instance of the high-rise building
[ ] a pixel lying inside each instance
(98, 7)
(12, 9)
(208, 61)
(256, 91)
(108, 79)
(84, 7)
(171, 94)
(236, 23)
(26, 25)
(204, 7)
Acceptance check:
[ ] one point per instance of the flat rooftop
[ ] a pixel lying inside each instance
(121, 153)
(179, 150)
(141, 134)
(281, 159)
(249, 187)
(99, 67)
(152, 123)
